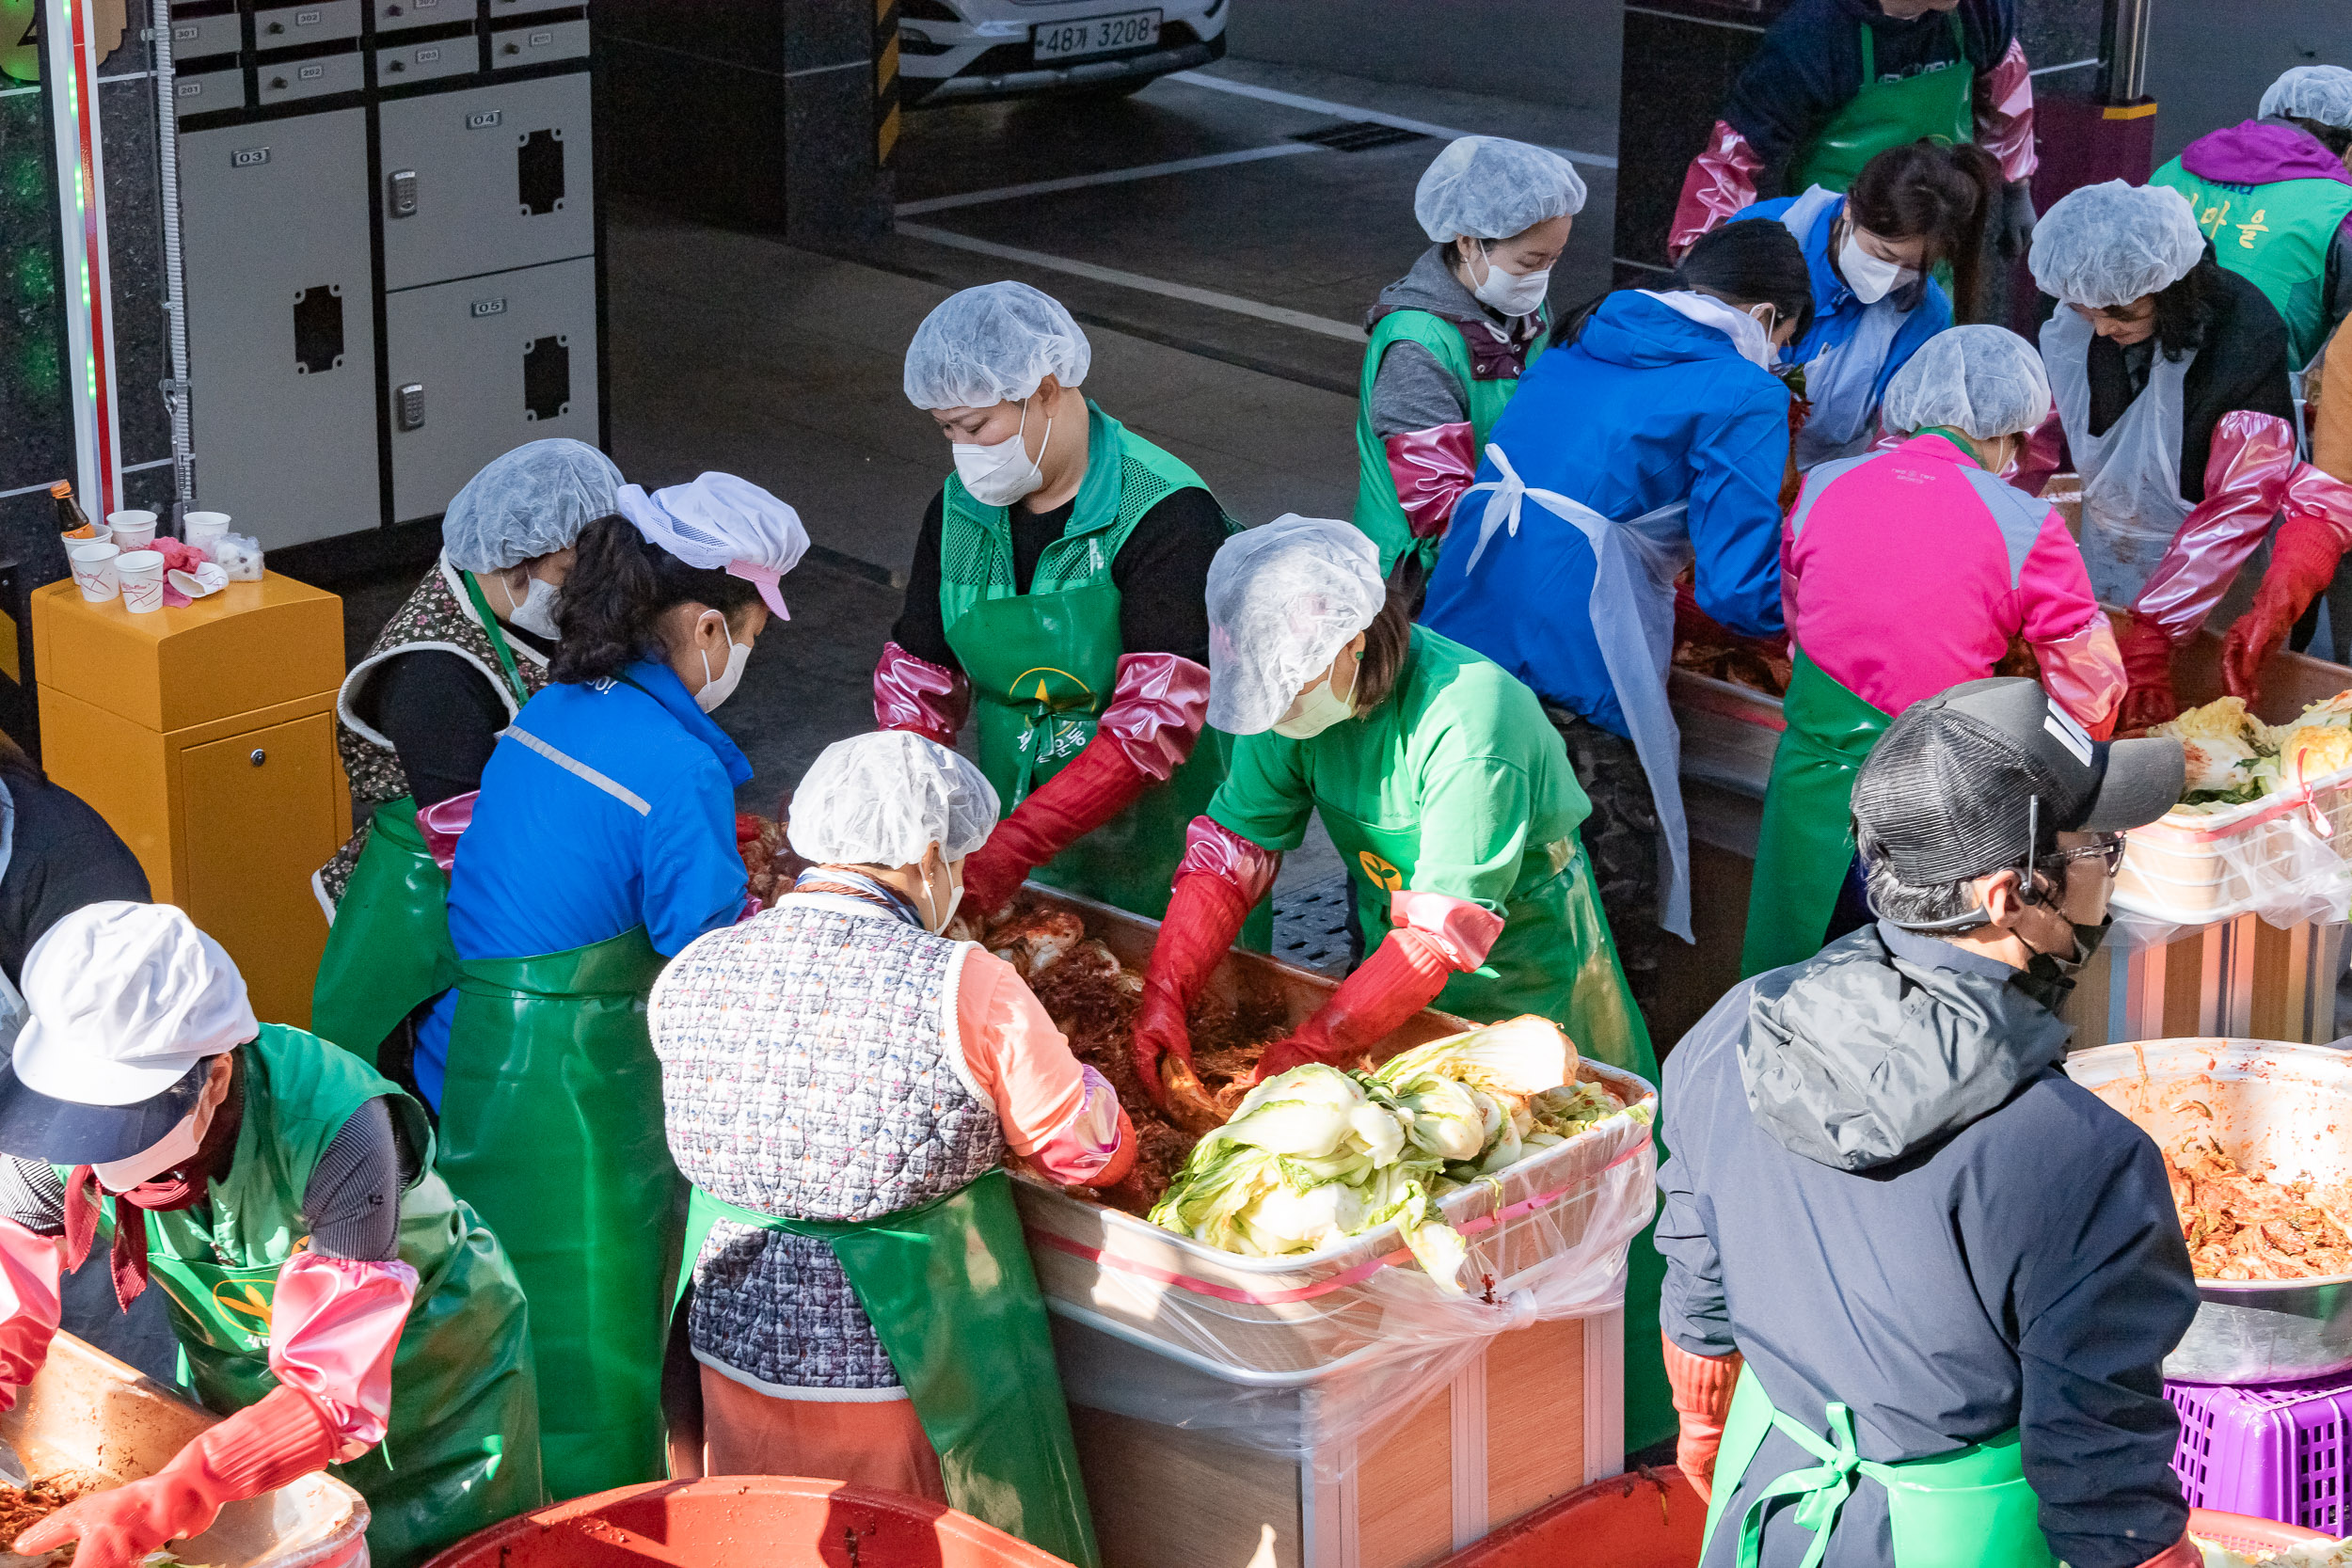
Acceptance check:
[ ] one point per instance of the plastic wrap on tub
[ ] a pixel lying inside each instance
(1555, 1253)
(2269, 859)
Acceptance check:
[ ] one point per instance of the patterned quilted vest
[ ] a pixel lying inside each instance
(811, 1067)
(436, 616)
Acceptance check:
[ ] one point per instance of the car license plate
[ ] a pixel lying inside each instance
(1094, 35)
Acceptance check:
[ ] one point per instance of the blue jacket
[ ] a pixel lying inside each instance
(1645, 408)
(554, 860)
(1835, 311)
(1885, 1191)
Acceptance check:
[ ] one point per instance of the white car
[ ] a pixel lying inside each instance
(959, 51)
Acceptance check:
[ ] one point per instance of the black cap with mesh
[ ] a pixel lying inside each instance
(1946, 792)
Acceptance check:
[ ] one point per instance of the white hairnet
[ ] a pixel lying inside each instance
(2104, 245)
(721, 522)
(1981, 381)
(884, 799)
(1283, 599)
(994, 345)
(527, 504)
(1489, 188)
(2320, 92)
(124, 998)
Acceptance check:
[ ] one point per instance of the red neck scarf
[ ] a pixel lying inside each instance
(183, 1188)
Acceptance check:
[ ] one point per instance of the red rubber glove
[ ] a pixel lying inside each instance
(1719, 183)
(1403, 974)
(912, 693)
(1702, 1387)
(258, 1450)
(2303, 559)
(1431, 468)
(1145, 735)
(2148, 665)
(1221, 877)
(29, 1269)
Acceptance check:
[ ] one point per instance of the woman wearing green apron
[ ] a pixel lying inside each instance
(331, 1298)
(603, 842)
(843, 1085)
(1451, 338)
(416, 720)
(1450, 799)
(1055, 586)
(1836, 83)
(1906, 573)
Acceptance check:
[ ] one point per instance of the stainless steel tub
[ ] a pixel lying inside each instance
(2273, 1100)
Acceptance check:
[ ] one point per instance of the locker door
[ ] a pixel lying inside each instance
(281, 346)
(483, 365)
(498, 178)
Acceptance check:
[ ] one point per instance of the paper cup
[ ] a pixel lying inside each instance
(99, 534)
(142, 574)
(201, 528)
(207, 578)
(132, 530)
(94, 570)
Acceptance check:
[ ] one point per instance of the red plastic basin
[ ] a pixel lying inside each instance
(1631, 1521)
(2243, 1532)
(744, 1522)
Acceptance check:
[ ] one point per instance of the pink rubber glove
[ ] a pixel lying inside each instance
(1430, 469)
(2004, 114)
(28, 1306)
(1702, 1387)
(2304, 554)
(1719, 183)
(2085, 672)
(912, 693)
(2148, 665)
(443, 823)
(1219, 880)
(1145, 735)
(259, 1449)
(2246, 484)
(334, 1325)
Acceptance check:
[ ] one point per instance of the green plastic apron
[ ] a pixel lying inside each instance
(1043, 665)
(951, 1294)
(1379, 512)
(461, 1449)
(1935, 104)
(1972, 1509)
(1807, 842)
(551, 1128)
(1553, 958)
(388, 952)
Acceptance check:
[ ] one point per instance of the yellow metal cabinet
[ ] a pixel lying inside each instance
(205, 735)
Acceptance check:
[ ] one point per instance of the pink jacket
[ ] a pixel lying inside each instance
(1907, 571)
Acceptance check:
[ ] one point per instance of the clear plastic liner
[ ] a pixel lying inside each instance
(2280, 857)
(1313, 1359)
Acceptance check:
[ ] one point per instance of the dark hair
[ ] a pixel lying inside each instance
(14, 763)
(1387, 640)
(2335, 139)
(1944, 196)
(2184, 309)
(618, 586)
(1755, 263)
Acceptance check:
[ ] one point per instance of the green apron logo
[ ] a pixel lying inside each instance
(1051, 689)
(1381, 872)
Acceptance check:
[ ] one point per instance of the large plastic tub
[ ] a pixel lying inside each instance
(744, 1522)
(89, 1413)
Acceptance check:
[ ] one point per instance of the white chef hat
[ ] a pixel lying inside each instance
(718, 522)
(124, 1000)
(1283, 599)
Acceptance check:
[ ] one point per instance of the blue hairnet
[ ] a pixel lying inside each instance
(527, 504)
(994, 345)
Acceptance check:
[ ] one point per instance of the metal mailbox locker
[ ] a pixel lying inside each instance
(392, 14)
(482, 365)
(485, 179)
(280, 341)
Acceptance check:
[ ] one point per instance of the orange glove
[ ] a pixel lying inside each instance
(1702, 1395)
(2148, 665)
(258, 1450)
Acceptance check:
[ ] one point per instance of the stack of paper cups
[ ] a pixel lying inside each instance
(201, 528)
(142, 574)
(94, 571)
(132, 530)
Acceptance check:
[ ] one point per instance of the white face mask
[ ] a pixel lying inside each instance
(536, 613)
(1002, 473)
(177, 1147)
(940, 918)
(719, 688)
(1870, 278)
(1513, 293)
(1316, 712)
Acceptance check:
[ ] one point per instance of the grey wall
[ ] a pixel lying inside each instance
(2208, 62)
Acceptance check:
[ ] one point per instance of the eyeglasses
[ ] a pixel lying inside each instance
(2109, 848)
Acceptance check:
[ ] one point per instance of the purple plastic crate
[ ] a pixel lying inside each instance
(2278, 1450)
